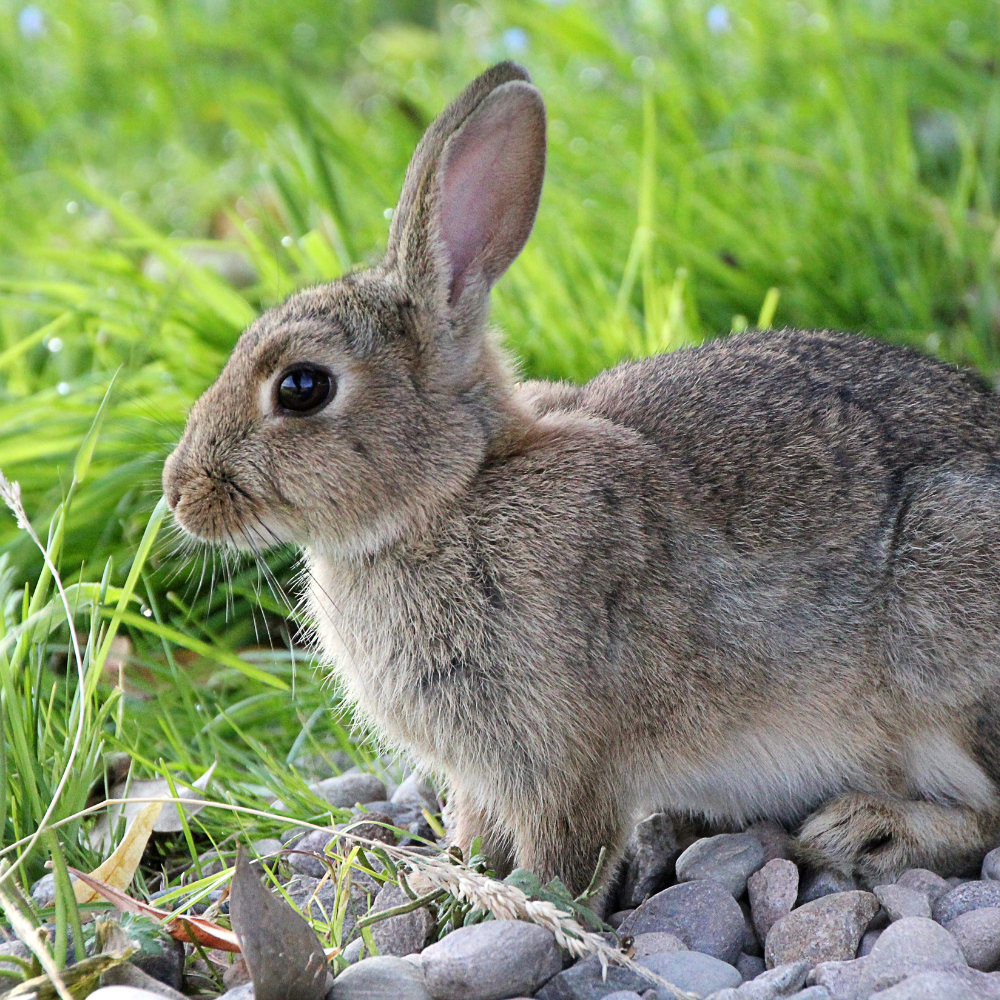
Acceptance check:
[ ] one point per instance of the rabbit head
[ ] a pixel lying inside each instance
(355, 410)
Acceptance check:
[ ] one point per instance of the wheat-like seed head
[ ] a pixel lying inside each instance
(507, 902)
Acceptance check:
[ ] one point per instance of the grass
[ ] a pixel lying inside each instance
(169, 169)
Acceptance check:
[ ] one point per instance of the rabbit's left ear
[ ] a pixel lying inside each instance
(468, 205)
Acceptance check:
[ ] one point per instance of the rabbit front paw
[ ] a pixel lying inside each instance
(860, 835)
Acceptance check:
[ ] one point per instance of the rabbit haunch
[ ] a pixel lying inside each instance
(753, 579)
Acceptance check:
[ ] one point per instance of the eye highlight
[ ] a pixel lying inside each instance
(304, 389)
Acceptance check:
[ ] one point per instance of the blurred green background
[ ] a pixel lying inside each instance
(170, 168)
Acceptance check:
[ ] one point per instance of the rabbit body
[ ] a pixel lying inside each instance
(752, 579)
(740, 581)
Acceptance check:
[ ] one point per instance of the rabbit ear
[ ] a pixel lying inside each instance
(472, 190)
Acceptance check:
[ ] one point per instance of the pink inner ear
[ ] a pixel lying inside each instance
(491, 178)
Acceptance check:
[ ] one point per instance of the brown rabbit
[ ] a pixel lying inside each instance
(757, 578)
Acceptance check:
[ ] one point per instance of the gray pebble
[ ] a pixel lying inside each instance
(656, 942)
(827, 929)
(583, 981)
(416, 792)
(899, 901)
(690, 970)
(651, 854)
(380, 977)
(908, 946)
(244, 992)
(352, 953)
(346, 790)
(16, 949)
(841, 979)
(868, 940)
(751, 943)
(127, 974)
(812, 993)
(163, 959)
(773, 837)
(123, 993)
(491, 960)
(43, 892)
(922, 880)
(315, 842)
(965, 897)
(978, 935)
(403, 934)
(775, 984)
(702, 914)
(772, 892)
(815, 885)
(750, 966)
(622, 995)
(991, 866)
(729, 859)
(935, 985)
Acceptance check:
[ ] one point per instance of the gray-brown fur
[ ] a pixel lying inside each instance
(756, 578)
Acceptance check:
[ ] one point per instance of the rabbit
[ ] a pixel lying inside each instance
(756, 578)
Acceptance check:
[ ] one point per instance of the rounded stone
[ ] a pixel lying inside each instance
(935, 985)
(772, 892)
(991, 866)
(773, 838)
(815, 885)
(929, 883)
(403, 934)
(378, 977)
(965, 897)
(651, 853)
(827, 929)
(691, 970)
(899, 901)
(906, 947)
(978, 935)
(124, 993)
(499, 958)
(750, 966)
(729, 859)
(346, 790)
(703, 914)
(655, 943)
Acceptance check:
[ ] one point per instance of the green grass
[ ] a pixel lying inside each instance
(710, 166)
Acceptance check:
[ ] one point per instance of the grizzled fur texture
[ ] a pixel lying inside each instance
(757, 578)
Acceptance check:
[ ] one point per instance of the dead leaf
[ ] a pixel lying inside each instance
(117, 870)
(169, 820)
(182, 928)
(284, 956)
(80, 978)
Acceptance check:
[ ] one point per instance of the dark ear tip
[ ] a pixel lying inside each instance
(505, 71)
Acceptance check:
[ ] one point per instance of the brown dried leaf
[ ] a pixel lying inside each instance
(193, 929)
(117, 870)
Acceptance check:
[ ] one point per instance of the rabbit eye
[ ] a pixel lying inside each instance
(305, 389)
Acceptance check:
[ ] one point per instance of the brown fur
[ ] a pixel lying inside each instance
(757, 578)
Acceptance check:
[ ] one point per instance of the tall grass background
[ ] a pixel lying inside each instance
(170, 168)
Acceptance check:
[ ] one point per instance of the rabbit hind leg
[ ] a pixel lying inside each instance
(875, 838)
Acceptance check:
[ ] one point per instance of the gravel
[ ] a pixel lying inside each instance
(702, 914)
(729, 859)
(824, 930)
(490, 961)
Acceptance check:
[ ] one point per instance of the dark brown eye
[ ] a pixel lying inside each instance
(305, 389)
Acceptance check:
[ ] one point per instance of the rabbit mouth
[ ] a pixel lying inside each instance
(214, 508)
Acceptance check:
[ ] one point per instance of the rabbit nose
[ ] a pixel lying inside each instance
(171, 481)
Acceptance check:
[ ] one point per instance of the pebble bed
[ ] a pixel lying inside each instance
(731, 917)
